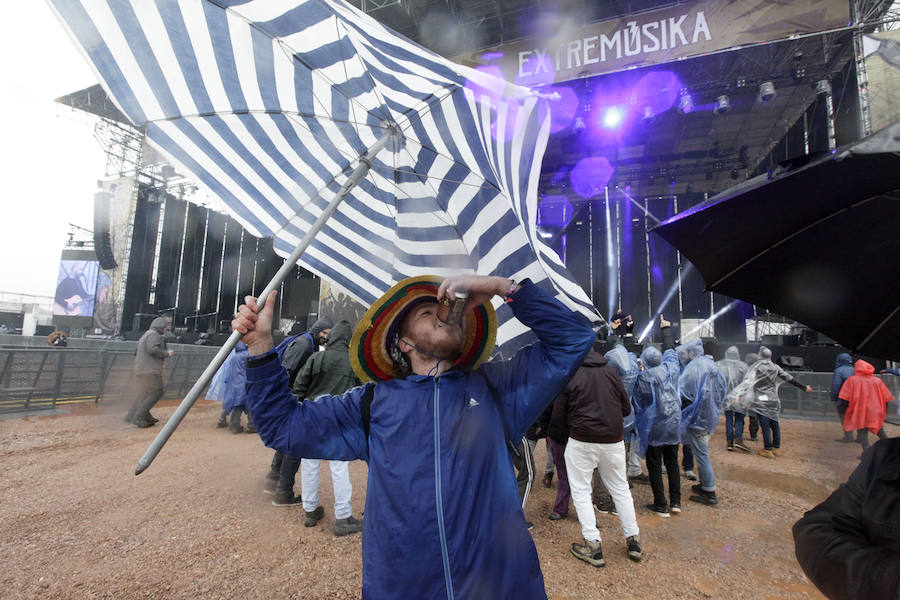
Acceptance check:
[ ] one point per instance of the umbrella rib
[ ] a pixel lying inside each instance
(786, 239)
(877, 329)
(261, 111)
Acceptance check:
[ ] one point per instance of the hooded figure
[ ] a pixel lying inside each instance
(702, 387)
(759, 390)
(149, 357)
(867, 397)
(232, 378)
(656, 400)
(843, 370)
(626, 365)
(298, 350)
(733, 368)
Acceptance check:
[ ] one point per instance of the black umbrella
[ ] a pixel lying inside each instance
(816, 241)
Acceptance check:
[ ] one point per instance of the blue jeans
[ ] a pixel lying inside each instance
(734, 426)
(699, 442)
(771, 431)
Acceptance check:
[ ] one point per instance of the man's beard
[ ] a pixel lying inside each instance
(445, 346)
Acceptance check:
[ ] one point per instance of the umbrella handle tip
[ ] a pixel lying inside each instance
(140, 469)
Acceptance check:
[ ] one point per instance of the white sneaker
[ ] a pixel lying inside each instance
(690, 475)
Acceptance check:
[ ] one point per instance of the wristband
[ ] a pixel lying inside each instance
(512, 289)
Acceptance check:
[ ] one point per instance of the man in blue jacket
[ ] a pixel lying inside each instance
(843, 370)
(443, 516)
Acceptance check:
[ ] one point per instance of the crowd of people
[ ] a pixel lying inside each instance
(603, 416)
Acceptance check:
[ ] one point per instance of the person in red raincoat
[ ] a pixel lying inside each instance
(867, 397)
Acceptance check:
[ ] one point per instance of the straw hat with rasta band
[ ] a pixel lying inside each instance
(374, 349)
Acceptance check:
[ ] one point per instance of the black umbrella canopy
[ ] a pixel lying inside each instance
(817, 242)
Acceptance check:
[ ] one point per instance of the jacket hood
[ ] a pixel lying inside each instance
(339, 337)
(861, 367)
(159, 324)
(651, 357)
(733, 353)
(842, 359)
(319, 325)
(685, 351)
(595, 359)
(751, 358)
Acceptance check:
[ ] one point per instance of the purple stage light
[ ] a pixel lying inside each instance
(612, 117)
(554, 212)
(590, 176)
(562, 110)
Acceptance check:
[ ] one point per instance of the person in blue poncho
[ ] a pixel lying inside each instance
(843, 370)
(658, 420)
(227, 387)
(443, 517)
(703, 390)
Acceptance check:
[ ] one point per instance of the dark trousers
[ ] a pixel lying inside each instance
(687, 458)
(734, 426)
(656, 457)
(753, 427)
(841, 408)
(771, 431)
(149, 391)
(563, 494)
(523, 461)
(862, 436)
(283, 471)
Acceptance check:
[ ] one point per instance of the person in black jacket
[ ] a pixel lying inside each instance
(849, 545)
(593, 405)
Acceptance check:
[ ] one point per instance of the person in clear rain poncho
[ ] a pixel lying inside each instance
(734, 370)
(658, 420)
(703, 390)
(758, 393)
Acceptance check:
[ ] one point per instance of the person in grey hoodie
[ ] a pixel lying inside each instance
(149, 359)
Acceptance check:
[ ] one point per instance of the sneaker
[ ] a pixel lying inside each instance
(675, 508)
(347, 526)
(660, 511)
(754, 439)
(529, 525)
(740, 446)
(765, 453)
(707, 498)
(690, 475)
(286, 499)
(142, 423)
(313, 517)
(250, 429)
(642, 478)
(221, 424)
(635, 552)
(605, 508)
(548, 480)
(590, 552)
(730, 447)
(776, 451)
(697, 488)
(555, 516)
(154, 419)
(269, 485)
(237, 429)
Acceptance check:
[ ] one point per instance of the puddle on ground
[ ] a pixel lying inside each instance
(801, 487)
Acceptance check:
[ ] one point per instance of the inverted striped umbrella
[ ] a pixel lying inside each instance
(366, 157)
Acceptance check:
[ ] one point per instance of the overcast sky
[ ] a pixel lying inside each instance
(50, 160)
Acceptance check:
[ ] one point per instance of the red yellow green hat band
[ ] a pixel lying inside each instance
(370, 346)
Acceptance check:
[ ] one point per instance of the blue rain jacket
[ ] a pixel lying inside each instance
(229, 383)
(626, 365)
(656, 400)
(443, 518)
(704, 387)
(843, 370)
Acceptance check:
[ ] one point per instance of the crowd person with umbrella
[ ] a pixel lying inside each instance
(658, 420)
(703, 390)
(435, 429)
(759, 393)
(734, 370)
(866, 398)
(843, 370)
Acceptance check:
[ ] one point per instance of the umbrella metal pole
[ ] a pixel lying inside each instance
(169, 428)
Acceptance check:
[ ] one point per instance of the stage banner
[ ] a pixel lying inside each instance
(654, 37)
(882, 52)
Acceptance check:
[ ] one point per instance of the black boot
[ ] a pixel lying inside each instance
(707, 498)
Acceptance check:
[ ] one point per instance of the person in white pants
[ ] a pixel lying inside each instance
(340, 480)
(593, 405)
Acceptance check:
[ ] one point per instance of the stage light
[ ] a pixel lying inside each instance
(579, 125)
(685, 103)
(612, 117)
(766, 91)
(723, 105)
(648, 116)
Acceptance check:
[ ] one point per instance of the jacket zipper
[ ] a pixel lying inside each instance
(439, 504)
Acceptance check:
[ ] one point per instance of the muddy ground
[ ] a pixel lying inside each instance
(76, 523)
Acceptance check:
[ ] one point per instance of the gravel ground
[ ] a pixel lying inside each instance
(76, 523)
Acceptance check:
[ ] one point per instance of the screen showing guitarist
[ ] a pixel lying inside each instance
(74, 296)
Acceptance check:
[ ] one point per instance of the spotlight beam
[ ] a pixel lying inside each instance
(715, 316)
(644, 210)
(668, 296)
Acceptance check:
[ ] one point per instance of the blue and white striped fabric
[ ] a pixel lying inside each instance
(270, 105)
